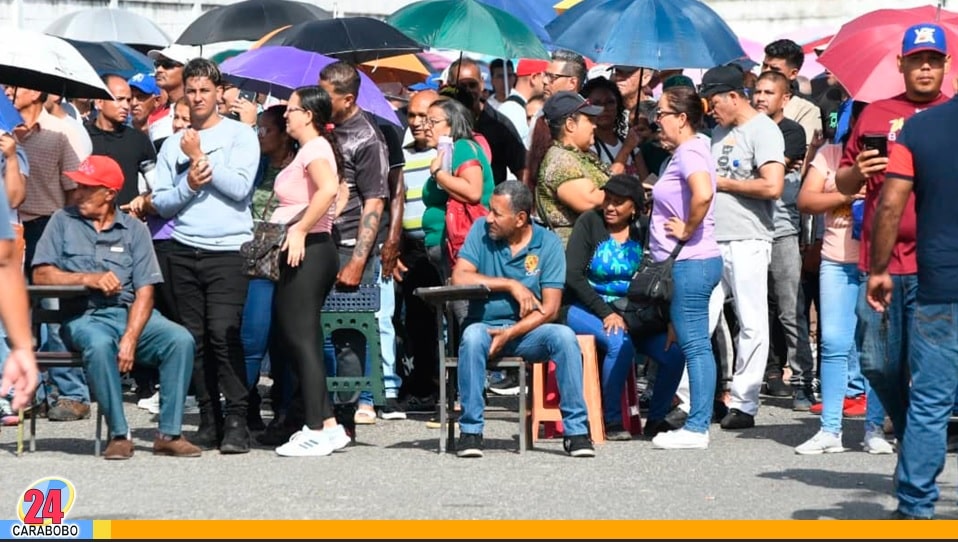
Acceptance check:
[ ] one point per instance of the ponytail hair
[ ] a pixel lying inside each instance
(317, 101)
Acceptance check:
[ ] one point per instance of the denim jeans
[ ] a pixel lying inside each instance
(884, 342)
(933, 352)
(547, 342)
(839, 283)
(162, 344)
(694, 281)
(255, 334)
(618, 352)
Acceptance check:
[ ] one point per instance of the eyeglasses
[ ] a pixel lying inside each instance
(550, 77)
(433, 122)
(659, 113)
(166, 64)
(294, 109)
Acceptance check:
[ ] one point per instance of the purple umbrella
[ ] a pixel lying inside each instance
(281, 70)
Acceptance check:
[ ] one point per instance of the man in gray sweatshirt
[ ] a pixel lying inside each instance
(204, 179)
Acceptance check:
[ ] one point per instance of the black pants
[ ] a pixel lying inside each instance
(210, 293)
(419, 328)
(32, 231)
(297, 332)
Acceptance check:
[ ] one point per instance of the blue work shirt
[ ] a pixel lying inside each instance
(540, 264)
(9, 216)
(71, 243)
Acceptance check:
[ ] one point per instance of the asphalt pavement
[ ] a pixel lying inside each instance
(394, 472)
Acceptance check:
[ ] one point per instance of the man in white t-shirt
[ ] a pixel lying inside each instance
(750, 161)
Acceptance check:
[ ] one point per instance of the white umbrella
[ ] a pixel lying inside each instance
(109, 24)
(47, 63)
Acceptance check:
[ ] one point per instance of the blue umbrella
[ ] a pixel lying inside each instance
(535, 13)
(113, 57)
(657, 34)
(9, 116)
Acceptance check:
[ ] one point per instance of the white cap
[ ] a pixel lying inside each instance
(176, 52)
(600, 70)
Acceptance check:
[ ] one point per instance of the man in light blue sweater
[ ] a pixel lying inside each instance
(204, 180)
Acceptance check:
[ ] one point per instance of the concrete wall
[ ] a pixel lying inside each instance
(760, 20)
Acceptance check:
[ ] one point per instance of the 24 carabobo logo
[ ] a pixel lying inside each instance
(47, 501)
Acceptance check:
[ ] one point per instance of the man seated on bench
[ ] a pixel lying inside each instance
(91, 244)
(523, 264)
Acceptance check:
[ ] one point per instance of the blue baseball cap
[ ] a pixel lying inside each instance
(924, 37)
(145, 82)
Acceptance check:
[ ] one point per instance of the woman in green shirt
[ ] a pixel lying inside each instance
(469, 181)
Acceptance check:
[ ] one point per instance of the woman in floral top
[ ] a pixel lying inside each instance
(570, 175)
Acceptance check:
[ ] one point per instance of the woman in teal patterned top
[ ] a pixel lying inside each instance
(604, 251)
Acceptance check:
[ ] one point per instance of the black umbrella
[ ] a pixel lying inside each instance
(353, 39)
(248, 20)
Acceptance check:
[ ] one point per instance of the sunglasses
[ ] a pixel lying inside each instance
(166, 64)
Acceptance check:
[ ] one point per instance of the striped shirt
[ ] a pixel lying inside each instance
(50, 154)
(415, 175)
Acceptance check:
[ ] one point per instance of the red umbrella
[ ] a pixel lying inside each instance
(863, 55)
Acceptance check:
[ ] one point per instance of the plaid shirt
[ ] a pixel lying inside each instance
(49, 154)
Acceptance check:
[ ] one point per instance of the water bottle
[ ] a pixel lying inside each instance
(445, 148)
(146, 176)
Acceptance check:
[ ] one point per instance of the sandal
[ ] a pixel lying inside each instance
(365, 416)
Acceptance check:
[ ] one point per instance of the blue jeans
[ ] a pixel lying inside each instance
(933, 353)
(694, 282)
(553, 342)
(387, 339)
(257, 322)
(618, 356)
(884, 342)
(164, 345)
(70, 382)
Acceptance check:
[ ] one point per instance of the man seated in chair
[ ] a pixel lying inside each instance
(91, 244)
(523, 264)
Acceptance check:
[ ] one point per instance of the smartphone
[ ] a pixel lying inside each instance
(247, 95)
(876, 141)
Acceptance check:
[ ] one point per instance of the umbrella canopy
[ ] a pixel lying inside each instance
(468, 25)
(280, 70)
(536, 14)
(863, 55)
(9, 116)
(109, 24)
(113, 57)
(48, 64)
(405, 69)
(353, 39)
(658, 34)
(248, 20)
(564, 6)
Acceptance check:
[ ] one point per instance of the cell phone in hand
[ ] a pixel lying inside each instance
(247, 95)
(876, 141)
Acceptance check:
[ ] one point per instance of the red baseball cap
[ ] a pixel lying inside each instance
(530, 66)
(98, 170)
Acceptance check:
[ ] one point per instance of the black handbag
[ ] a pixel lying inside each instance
(652, 281)
(262, 254)
(642, 319)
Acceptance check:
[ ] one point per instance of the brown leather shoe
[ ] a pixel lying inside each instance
(177, 447)
(68, 410)
(119, 448)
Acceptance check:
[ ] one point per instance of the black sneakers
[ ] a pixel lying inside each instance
(236, 437)
(469, 445)
(508, 386)
(578, 446)
(736, 419)
(776, 387)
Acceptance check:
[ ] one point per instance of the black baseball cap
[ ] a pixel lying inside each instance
(722, 79)
(567, 103)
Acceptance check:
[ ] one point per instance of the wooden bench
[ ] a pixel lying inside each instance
(71, 300)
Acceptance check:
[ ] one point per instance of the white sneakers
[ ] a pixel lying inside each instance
(822, 443)
(310, 443)
(876, 443)
(152, 404)
(681, 439)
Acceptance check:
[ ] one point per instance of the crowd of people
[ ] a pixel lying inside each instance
(772, 202)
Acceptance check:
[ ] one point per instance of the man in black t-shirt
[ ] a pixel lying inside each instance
(112, 137)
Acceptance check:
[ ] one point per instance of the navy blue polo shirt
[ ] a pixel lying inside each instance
(540, 264)
(71, 243)
(924, 154)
